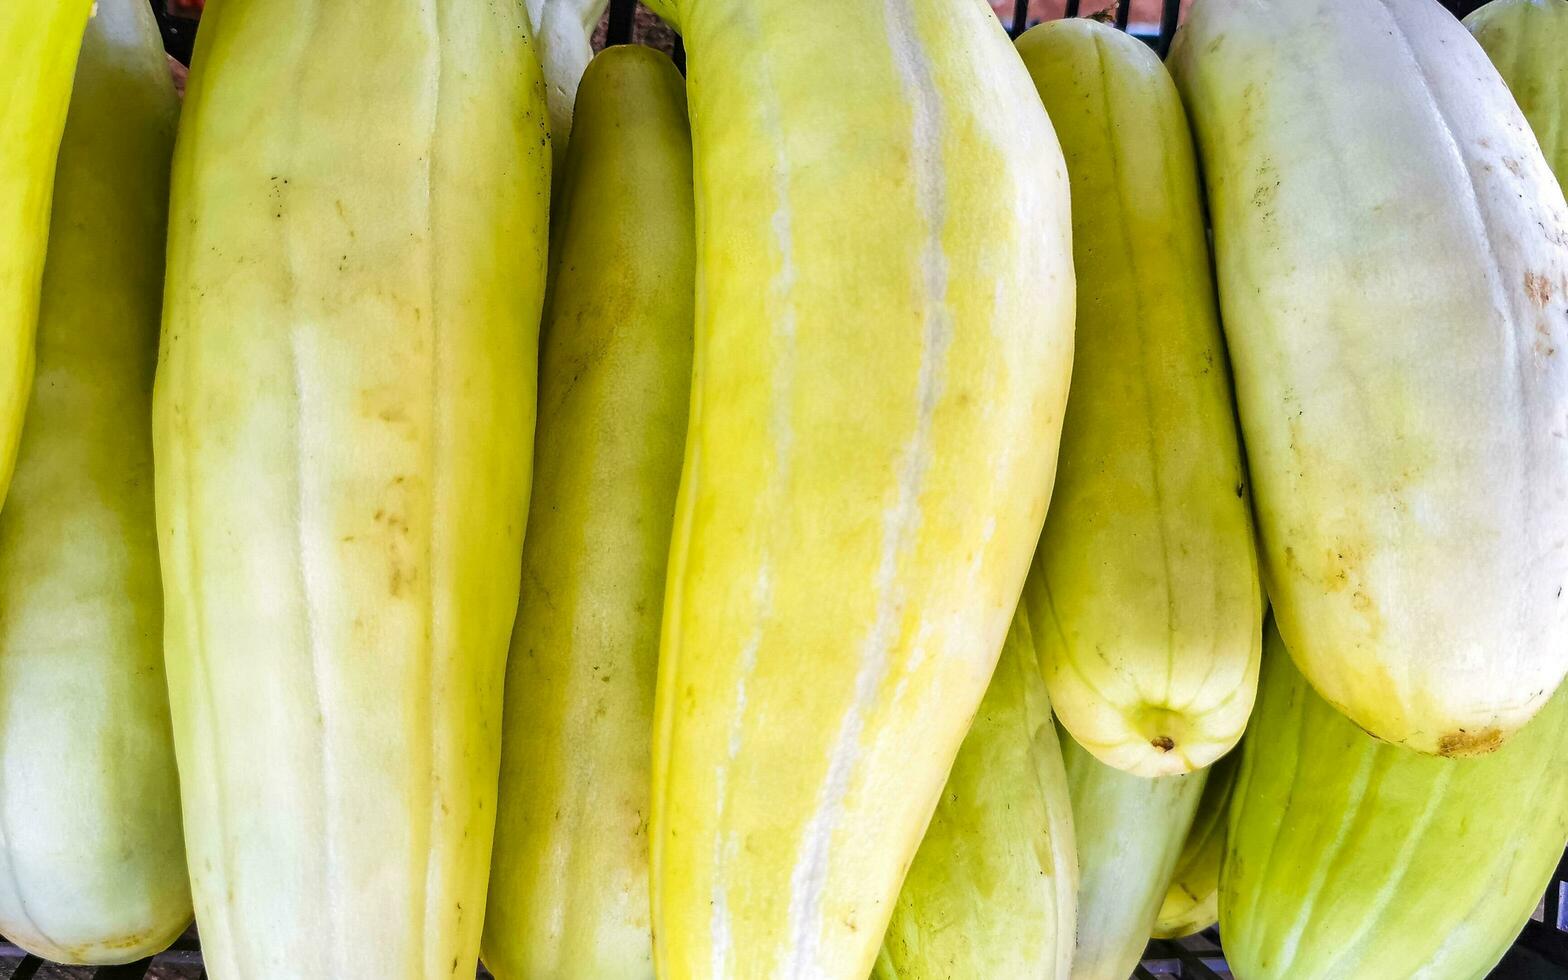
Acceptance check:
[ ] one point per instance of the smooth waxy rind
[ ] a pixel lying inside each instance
(993, 889)
(1355, 860)
(1144, 589)
(1393, 275)
(39, 44)
(1130, 830)
(92, 861)
(343, 423)
(1525, 40)
(1192, 903)
(883, 345)
(569, 879)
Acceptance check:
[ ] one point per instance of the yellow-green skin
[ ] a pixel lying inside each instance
(1527, 41)
(1352, 859)
(343, 428)
(883, 346)
(39, 43)
(1130, 831)
(1192, 902)
(569, 879)
(1145, 586)
(92, 862)
(993, 889)
(1393, 274)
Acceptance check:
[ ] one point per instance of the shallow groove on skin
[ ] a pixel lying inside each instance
(1068, 648)
(195, 640)
(426, 918)
(1130, 256)
(307, 509)
(901, 521)
(1387, 894)
(781, 292)
(1290, 945)
(1294, 711)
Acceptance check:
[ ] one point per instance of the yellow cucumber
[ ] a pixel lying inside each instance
(1354, 860)
(1192, 902)
(1525, 40)
(92, 863)
(1145, 585)
(343, 425)
(39, 44)
(1130, 831)
(883, 346)
(992, 890)
(569, 880)
(1393, 275)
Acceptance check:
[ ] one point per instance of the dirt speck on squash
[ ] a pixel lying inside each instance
(1538, 288)
(1458, 745)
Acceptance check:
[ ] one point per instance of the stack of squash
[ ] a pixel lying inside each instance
(890, 503)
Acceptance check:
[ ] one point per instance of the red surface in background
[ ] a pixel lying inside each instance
(184, 8)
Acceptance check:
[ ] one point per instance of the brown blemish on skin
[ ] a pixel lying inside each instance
(399, 577)
(1538, 288)
(1513, 166)
(1340, 565)
(1465, 743)
(1162, 742)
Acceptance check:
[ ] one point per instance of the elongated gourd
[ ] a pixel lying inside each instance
(1145, 584)
(1130, 830)
(39, 44)
(92, 862)
(1355, 860)
(569, 880)
(1394, 279)
(343, 424)
(883, 345)
(1192, 902)
(992, 890)
(1525, 40)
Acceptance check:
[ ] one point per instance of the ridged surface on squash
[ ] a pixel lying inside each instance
(343, 426)
(1527, 41)
(39, 43)
(1145, 588)
(993, 889)
(883, 346)
(1354, 860)
(1192, 902)
(1394, 279)
(92, 862)
(1130, 830)
(569, 880)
